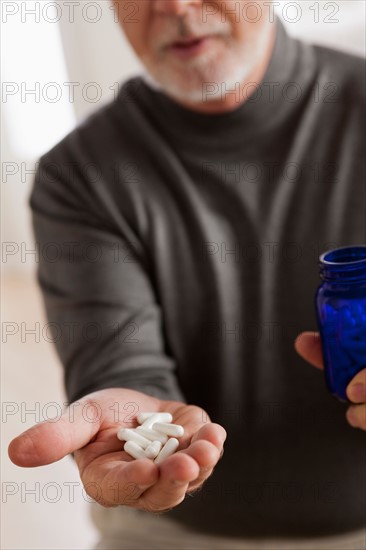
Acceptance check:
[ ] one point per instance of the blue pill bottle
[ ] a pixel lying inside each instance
(340, 304)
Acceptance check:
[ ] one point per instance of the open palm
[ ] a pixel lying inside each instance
(110, 475)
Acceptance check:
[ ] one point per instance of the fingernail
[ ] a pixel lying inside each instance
(357, 392)
(179, 483)
(352, 417)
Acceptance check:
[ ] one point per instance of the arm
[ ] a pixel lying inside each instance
(98, 297)
(105, 367)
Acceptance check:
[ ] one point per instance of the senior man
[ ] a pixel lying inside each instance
(190, 213)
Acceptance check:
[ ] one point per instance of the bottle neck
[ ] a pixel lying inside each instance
(344, 265)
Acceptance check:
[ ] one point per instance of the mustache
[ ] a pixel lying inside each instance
(181, 28)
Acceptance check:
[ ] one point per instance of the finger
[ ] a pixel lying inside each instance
(206, 449)
(308, 345)
(117, 479)
(212, 432)
(207, 456)
(356, 416)
(50, 441)
(356, 389)
(176, 472)
(177, 476)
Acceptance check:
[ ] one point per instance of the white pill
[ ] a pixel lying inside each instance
(158, 417)
(142, 416)
(174, 430)
(153, 449)
(151, 435)
(169, 448)
(134, 450)
(128, 434)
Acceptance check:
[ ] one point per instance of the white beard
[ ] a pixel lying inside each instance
(207, 79)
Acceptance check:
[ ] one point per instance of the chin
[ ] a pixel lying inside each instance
(188, 85)
(192, 89)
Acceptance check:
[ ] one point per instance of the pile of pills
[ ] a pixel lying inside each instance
(155, 438)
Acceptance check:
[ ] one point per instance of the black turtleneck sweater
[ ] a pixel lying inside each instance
(178, 257)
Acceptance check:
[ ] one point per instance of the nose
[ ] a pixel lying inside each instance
(174, 7)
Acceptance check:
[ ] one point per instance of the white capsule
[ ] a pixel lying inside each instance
(128, 434)
(142, 416)
(153, 449)
(151, 435)
(157, 417)
(174, 430)
(169, 448)
(134, 450)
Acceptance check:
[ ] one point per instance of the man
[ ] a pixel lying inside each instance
(189, 215)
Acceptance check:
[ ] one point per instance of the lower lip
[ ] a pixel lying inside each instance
(185, 52)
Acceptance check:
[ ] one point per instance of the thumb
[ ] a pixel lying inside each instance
(308, 345)
(50, 441)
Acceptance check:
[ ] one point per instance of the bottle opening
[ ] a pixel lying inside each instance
(348, 263)
(344, 255)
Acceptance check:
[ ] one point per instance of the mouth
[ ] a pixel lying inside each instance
(188, 47)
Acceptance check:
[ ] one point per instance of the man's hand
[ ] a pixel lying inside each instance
(308, 345)
(110, 476)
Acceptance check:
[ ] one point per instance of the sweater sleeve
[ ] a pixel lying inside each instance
(100, 303)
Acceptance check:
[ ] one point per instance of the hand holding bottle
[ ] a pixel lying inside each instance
(308, 345)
